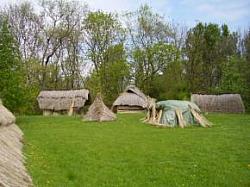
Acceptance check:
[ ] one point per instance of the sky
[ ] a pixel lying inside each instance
(234, 13)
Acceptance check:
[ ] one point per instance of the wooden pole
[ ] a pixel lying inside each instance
(180, 118)
(201, 119)
(71, 108)
(159, 117)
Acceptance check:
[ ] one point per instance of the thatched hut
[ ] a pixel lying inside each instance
(60, 102)
(98, 111)
(225, 103)
(131, 100)
(12, 169)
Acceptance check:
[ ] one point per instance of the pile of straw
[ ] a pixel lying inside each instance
(98, 111)
(12, 169)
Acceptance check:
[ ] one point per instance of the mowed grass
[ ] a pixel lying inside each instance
(65, 151)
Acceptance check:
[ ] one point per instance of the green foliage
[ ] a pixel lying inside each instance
(112, 77)
(233, 80)
(106, 51)
(246, 70)
(208, 47)
(236, 74)
(65, 151)
(171, 84)
(102, 31)
(151, 50)
(150, 62)
(11, 81)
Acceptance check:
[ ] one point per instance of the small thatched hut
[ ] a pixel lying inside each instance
(131, 100)
(12, 169)
(55, 102)
(225, 103)
(98, 111)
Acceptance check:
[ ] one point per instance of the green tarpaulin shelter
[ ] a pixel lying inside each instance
(170, 108)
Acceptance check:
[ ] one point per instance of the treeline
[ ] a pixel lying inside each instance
(65, 45)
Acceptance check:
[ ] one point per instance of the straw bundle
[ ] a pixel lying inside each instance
(12, 169)
(98, 111)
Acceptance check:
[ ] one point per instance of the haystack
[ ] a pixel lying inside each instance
(60, 102)
(131, 100)
(98, 111)
(12, 169)
(225, 103)
(173, 113)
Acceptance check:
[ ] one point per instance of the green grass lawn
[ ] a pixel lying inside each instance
(65, 151)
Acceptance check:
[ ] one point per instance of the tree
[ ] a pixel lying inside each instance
(233, 80)
(208, 48)
(172, 84)
(52, 38)
(152, 46)
(101, 30)
(246, 69)
(11, 82)
(113, 75)
(149, 63)
(104, 38)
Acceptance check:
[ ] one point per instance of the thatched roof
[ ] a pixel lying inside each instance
(12, 169)
(6, 117)
(226, 103)
(133, 89)
(62, 100)
(131, 96)
(98, 111)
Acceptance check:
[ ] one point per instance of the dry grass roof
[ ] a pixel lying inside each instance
(131, 96)
(225, 103)
(64, 94)
(6, 117)
(12, 169)
(98, 111)
(62, 100)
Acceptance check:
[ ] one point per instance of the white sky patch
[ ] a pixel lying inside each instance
(220, 9)
(234, 13)
(227, 13)
(128, 5)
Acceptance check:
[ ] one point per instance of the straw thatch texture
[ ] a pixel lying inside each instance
(6, 117)
(12, 169)
(130, 99)
(62, 100)
(135, 90)
(98, 111)
(132, 96)
(226, 103)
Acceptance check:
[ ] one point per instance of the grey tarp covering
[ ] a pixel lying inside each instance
(169, 111)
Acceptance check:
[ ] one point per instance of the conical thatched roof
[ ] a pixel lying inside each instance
(227, 103)
(98, 111)
(12, 169)
(62, 100)
(131, 96)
